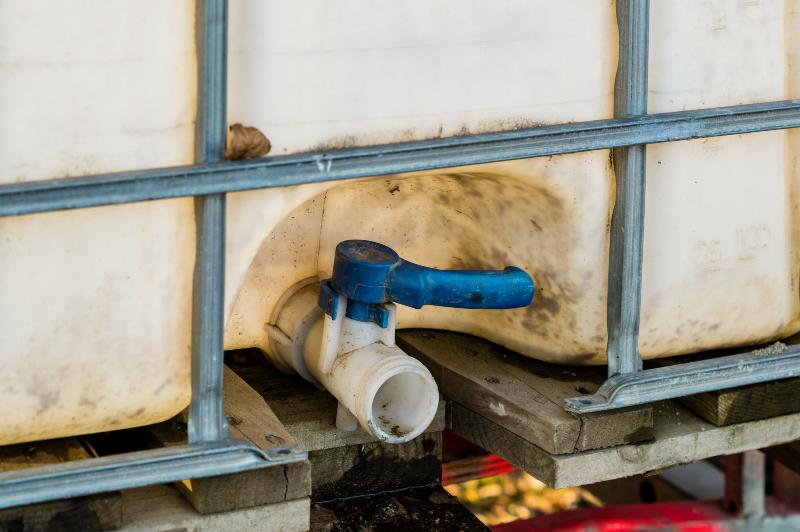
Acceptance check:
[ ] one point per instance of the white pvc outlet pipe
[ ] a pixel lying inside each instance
(391, 395)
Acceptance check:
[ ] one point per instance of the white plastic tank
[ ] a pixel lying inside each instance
(95, 304)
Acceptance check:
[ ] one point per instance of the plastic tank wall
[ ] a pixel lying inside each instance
(721, 256)
(95, 304)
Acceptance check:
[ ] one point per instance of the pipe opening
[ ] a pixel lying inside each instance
(404, 406)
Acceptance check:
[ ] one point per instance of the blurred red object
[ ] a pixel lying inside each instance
(681, 516)
(462, 461)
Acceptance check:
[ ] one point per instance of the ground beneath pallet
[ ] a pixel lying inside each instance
(417, 509)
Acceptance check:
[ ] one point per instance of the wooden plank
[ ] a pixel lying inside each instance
(501, 441)
(757, 401)
(375, 467)
(307, 412)
(162, 509)
(680, 438)
(343, 464)
(95, 512)
(788, 454)
(523, 395)
(786, 484)
(251, 419)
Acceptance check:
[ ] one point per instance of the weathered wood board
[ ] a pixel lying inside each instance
(523, 395)
(375, 467)
(788, 454)
(251, 419)
(162, 509)
(343, 464)
(308, 413)
(757, 401)
(680, 438)
(745, 403)
(95, 512)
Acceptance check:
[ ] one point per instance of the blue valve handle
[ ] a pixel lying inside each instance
(370, 274)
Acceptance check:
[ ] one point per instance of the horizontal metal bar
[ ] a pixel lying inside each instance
(142, 468)
(142, 185)
(689, 378)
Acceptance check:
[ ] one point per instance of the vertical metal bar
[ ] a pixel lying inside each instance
(627, 221)
(206, 415)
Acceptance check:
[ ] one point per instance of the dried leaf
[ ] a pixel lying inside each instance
(245, 142)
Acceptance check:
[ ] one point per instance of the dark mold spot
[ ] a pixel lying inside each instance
(640, 434)
(428, 445)
(378, 467)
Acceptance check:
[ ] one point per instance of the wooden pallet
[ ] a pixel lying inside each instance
(285, 410)
(505, 403)
(96, 512)
(151, 509)
(162, 509)
(343, 464)
(523, 395)
(746, 403)
(250, 419)
(512, 407)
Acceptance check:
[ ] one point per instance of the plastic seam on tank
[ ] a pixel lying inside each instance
(231, 176)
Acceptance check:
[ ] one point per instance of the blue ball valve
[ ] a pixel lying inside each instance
(370, 274)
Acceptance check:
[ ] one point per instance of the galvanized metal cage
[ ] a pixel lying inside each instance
(209, 451)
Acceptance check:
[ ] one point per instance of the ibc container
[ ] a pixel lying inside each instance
(95, 304)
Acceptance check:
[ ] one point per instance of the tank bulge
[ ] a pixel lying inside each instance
(272, 243)
(548, 215)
